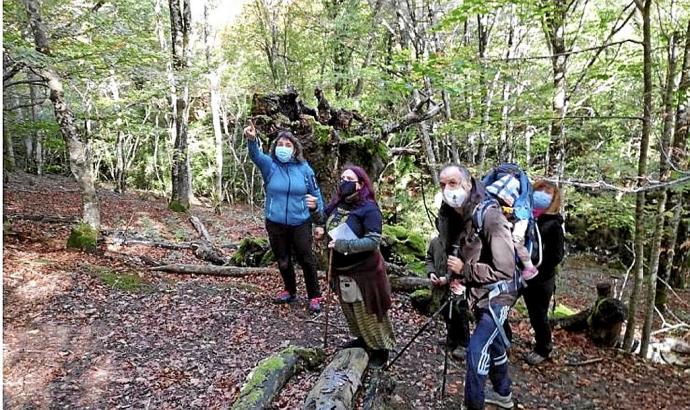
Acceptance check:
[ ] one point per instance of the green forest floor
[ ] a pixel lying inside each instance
(101, 331)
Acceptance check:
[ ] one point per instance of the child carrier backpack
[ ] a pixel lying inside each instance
(510, 286)
(522, 206)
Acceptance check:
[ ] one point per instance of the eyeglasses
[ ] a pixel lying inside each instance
(344, 179)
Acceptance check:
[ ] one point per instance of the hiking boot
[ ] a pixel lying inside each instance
(378, 358)
(502, 402)
(529, 273)
(315, 305)
(459, 353)
(359, 342)
(284, 297)
(533, 358)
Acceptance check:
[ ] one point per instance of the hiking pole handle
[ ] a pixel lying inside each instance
(421, 329)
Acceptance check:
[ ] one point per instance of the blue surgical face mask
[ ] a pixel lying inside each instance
(542, 200)
(284, 154)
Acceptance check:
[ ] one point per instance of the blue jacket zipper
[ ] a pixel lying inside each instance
(287, 199)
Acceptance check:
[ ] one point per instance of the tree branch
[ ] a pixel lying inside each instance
(613, 32)
(29, 82)
(605, 186)
(567, 53)
(412, 117)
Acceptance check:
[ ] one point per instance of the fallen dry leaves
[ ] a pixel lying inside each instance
(180, 341)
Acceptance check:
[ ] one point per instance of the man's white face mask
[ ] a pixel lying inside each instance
(455, 197)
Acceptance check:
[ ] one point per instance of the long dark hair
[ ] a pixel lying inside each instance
(365, 194)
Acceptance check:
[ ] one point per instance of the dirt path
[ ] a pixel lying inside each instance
(87, 331)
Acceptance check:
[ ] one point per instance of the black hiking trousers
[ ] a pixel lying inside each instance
(457, 324)
(537, 299)
(287, 240)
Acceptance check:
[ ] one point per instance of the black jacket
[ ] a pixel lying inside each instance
(553, 245)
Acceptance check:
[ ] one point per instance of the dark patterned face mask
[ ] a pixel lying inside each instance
(347, 188)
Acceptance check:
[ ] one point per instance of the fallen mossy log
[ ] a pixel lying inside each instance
(409, 283)
(200, 228)
(123, 239)
(207, 252)
(398, 284)
(339, 382)
(43, 218)
(234, 271)
(253, 251)
(602, 322)
(270, 375)
(398, 270)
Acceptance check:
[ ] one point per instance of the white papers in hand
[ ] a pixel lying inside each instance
(342, 231)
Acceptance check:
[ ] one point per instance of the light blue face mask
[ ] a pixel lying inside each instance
(541, 199)
(284, 154)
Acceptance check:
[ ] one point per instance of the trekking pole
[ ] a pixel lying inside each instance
(445, 356)
(421, 329)
(451, 299)
(328, 294)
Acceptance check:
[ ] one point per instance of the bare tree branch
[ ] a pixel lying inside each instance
(605, 186)
(413, 117)
(550, 56)
(613, 32)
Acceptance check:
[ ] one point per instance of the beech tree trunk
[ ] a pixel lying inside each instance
(218, 135)
(674, 204)
(28, 139)
(359, 85)
(640, 233)
(681, 261)
(664, 173)
(487, 87)
(504, 142)
(214, 88)
(9, 163)
(554, 27)
(38, 134)
(181, 26)
(80, 159)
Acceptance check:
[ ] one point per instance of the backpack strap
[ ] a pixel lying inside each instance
(479, 213)
(503, 286)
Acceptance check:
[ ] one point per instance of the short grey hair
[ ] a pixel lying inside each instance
(464, 172)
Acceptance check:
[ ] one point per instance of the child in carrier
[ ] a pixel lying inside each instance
(506, 190)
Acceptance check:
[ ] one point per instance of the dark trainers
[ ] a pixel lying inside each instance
(284, 297)
(315, 305)
(459, 353)
(359, 342)
(502, 402)
(378, 358)
(533, 358)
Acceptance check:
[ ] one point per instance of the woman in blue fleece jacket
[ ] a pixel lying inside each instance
(291, 195)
